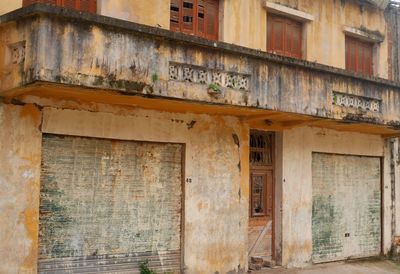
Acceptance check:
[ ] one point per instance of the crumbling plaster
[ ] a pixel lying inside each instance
(20, 155)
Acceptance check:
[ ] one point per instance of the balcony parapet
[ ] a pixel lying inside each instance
(49, 44)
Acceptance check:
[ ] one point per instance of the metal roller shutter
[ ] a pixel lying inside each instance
(346, 215)
(108, 205)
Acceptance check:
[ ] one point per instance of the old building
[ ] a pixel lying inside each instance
(197, 134)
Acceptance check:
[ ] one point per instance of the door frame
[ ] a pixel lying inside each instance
(271, 168)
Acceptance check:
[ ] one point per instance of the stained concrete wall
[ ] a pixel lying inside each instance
(274, 83)
(20, 152)
(244, 23)
(298, 145)
(216, 196)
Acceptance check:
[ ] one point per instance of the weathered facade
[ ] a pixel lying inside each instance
(123, 141)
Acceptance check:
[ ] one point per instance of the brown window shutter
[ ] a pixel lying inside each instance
(359, 56)
(296, 40)
(284, 36)
(201, 17)
(212, 10)
(196, 17)
(188, 11)
(175, 11)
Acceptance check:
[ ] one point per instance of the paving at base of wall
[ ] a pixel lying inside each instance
(356, 267)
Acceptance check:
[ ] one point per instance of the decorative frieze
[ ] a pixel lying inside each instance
(356, 102)
(206, 76)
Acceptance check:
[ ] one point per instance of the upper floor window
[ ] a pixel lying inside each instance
(196, 17)
(284, 36)
(81, 5)
(359, 56)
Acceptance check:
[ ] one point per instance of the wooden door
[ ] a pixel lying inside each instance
(261, 194)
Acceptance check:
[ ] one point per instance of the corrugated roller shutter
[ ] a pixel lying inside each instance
(346, 214)
(108, 205)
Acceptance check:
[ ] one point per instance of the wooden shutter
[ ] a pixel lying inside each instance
(196, 17)
(359, 56)
(212, 9)
(81, 5)
(188, 9)
(175, 10)
(284, 36)
(201, 17)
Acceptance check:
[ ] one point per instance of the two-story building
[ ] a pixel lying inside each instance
(202, 136)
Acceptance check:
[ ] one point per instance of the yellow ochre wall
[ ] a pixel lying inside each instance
(244, 22)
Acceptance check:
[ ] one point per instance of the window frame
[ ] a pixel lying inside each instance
(179, 25)
(286, 21)
(264, 197)
(367, 48)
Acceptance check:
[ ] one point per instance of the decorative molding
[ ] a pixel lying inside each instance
(364, 35)
(206, 76)
(289, 12)
(356, 102)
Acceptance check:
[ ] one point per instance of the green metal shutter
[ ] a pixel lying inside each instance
(346, 214)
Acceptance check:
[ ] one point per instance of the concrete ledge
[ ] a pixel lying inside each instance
(364, 35)
(289, 12)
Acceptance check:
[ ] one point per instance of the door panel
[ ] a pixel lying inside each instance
(346, 215)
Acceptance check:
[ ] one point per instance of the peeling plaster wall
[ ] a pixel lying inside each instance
(20, 152)
(216, 203)
(150, 12)
(244, 23)
(324, 37)
(298, 145)
(99, 63)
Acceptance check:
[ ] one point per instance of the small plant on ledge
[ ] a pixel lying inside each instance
(214, 89)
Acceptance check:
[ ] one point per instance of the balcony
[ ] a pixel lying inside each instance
(58, 53)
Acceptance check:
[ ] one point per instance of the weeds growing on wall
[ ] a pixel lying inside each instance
(144, 268)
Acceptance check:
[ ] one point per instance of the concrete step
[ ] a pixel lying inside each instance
(257, 263)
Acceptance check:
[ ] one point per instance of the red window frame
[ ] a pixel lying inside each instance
(195, 17)
(81, 5)
(284, 36)
(359, 56)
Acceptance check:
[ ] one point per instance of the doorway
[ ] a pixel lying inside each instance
(261, 208)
